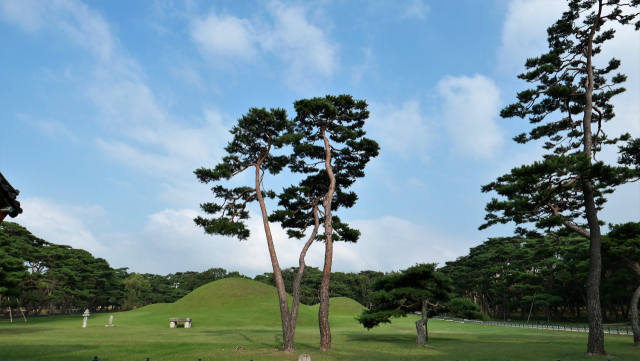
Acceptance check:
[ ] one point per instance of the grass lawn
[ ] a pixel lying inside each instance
(235, 312)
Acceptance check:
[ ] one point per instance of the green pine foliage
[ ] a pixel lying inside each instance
(549, 192)
(402, 292)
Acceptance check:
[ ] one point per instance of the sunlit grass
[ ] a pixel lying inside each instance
(231, 313)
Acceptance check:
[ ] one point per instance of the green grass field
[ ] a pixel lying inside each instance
(238, 312)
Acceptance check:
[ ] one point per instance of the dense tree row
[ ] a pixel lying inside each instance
(547, 276)
(43, 278)
(357, 286)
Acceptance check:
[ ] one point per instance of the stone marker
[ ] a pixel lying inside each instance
(85, 315)
(110, 322)
(304, 357)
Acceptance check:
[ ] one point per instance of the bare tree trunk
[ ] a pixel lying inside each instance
(634, 317)
(634, 268)
(295, 304)
(323, 311)
(595, 343)
(421, 326)
(287, 331)
(20, 307)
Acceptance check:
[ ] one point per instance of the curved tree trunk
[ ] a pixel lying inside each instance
(421, 326)
(287, 330)
(323, 311)
(295, 304)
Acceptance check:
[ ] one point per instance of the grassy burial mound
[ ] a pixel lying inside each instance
(236, 302)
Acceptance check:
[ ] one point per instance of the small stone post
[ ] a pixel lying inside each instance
(110, 322)
(304, 357)
(85, 315)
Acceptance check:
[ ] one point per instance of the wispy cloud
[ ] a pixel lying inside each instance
(414, 9)
(403, 130)
(305, 50)
(470, 107)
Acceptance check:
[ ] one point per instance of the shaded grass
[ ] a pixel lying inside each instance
(231, 313)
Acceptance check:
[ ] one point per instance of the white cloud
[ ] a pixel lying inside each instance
(188, 75)
(414, 9)
(51, 128)
(27, 14)
(291, 38)
(524, 33)
(225, 37)
(469, 109)
(139, 131)
(415, 183)
(170, 149)
(403, 130)
(412, 243)
(367, 66)
(63, 223)
(304, 47)
(170, 242)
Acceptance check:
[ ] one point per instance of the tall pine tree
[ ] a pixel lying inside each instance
(256, 135)
(569, 106)
(333, 148)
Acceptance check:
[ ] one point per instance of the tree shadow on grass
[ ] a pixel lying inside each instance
(23, 330)
(391, 338)
(44, 352)
(228, 332)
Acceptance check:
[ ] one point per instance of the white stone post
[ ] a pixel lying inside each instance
(85, 315)
(110, 322)
(172, 324)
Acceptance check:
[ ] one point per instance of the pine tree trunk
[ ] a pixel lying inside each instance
(323, 311)
(295, 304)
(421, 326)
(595, 343)
(634, 268)
(634, 317)
(287, 330)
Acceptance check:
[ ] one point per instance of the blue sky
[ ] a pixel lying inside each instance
(107, 107)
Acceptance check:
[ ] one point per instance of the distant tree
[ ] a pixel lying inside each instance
(12, 271)
(135, 285)
(334, 152)
(623, 245)
(569, 184)
(256, 135)
(419, 288)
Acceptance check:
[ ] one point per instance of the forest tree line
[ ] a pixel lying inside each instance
(505, 277)
(547, 276)
(44, 278)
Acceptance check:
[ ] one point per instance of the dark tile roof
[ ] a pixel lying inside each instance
(9, 194)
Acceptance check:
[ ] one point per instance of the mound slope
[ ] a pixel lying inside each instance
(238, 302)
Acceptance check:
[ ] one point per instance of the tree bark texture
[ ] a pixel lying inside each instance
(634, 268)
(595, 343)
(295, 304)
(323, 311)
(287, 330)
(421, 326)
(634, 317)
